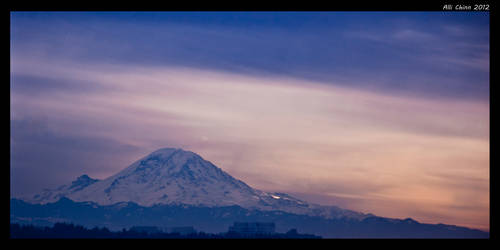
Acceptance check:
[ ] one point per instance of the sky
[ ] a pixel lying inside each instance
(378, 112)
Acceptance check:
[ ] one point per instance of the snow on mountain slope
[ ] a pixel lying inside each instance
(54, 195)
(175, 176)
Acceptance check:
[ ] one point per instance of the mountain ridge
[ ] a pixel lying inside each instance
(176, 176)
(172, 186)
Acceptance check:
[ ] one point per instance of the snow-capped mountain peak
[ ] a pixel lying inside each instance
(177, 176)
(81, 182)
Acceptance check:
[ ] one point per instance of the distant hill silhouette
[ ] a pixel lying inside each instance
(218, 219)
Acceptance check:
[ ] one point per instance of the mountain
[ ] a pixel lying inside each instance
(48, 195)
(175, 187)
(175, 176)
(218, 219)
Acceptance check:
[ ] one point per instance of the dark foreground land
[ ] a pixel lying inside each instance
(65, 231)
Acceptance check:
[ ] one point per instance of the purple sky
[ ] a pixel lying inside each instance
(385, 113)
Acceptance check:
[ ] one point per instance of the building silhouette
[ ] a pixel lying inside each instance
(145, 229)
(252, 228)
(181, 230)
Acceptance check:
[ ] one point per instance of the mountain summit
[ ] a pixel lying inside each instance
(171, 186)
(176, 176)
